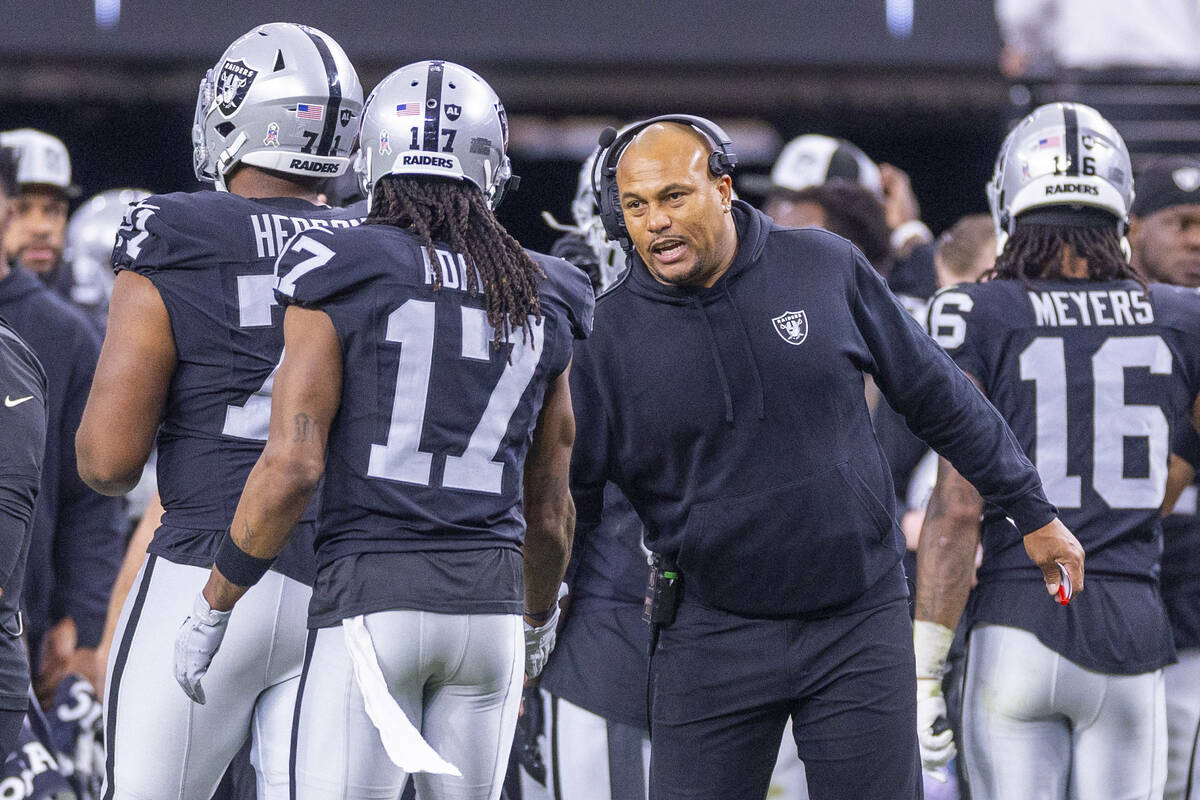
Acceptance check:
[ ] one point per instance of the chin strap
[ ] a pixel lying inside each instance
(225, 160)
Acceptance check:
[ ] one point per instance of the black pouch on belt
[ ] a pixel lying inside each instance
(663, 593)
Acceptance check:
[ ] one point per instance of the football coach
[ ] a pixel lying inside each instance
(722, 391)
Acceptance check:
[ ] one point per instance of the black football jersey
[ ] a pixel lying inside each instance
(1092, 377)
(427, 450)
(211, 256)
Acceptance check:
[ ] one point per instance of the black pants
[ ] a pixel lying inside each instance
(723, 687)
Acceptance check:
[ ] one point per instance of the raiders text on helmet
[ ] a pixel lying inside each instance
(1062, 154)
(283, 97)
(436, 118)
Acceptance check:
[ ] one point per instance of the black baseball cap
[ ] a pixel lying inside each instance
(1173, 181)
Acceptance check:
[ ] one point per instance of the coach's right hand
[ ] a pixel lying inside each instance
(198, 641)
(1051, 545)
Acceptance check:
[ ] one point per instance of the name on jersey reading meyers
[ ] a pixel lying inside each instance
(272, 231)
(1102, 307)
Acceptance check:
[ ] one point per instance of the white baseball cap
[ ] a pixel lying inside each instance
(813, 159)
(42, 159)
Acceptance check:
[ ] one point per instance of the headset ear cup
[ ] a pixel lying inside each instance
(614, 221)
(718, 164)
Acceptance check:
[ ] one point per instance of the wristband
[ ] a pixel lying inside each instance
(237, 565)
(931, 644)
(913, 229)
(542, 618)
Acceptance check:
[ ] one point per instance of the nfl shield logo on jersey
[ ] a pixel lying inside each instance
(792, 327)
(232, 85)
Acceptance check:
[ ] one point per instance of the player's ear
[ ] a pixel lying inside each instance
(1135, 228)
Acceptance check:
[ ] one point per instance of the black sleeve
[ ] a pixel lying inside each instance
(89, 540)
(22, 447)
(302, 273)
(590, 456)
(942, 406)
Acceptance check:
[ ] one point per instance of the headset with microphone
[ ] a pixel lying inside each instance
(721, 161)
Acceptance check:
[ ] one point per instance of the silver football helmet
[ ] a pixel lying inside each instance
(91, 232)
(283, 97)
(1061, 154)
(436, 118)
(590, 227)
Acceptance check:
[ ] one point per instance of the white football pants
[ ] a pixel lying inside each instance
(1037, 726)
(1183, 726)
(457, 677)
(161, 745)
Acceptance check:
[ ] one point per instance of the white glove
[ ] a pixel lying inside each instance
(931, 643)
(539, 643)
(198, 641)
(936, 748)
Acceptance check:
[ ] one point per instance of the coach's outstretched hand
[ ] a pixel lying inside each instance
(1051, 545)
(198, 641)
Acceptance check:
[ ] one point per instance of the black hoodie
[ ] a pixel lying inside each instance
(734, 419)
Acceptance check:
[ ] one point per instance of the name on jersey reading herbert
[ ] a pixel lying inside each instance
(272, 231)
(1103, 307)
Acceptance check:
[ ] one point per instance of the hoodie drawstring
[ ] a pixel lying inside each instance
(762, 397)
(716, 355)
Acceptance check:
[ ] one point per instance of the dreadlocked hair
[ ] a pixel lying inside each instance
(456, 212)
(1034, 250)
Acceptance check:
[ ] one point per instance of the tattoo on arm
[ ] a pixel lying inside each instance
(305, 428)
(247, 537)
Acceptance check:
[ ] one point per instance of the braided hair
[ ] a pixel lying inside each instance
(1034, 250)
(456, 212)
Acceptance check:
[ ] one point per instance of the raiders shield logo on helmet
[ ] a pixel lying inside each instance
(792, 327)
(232, 85)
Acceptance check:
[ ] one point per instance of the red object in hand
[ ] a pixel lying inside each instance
(1064, 585)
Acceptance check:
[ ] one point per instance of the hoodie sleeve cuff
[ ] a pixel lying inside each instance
(1031, 512)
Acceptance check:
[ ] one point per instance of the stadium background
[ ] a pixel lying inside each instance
(912, 82)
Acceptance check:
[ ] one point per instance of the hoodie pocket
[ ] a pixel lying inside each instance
(797, 549)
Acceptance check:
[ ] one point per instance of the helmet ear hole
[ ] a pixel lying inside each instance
(225, 128)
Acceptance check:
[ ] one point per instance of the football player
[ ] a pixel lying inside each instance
(37, 233)
(428, 355)
(1164, 235)
(1092, 369)
(194, 338)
